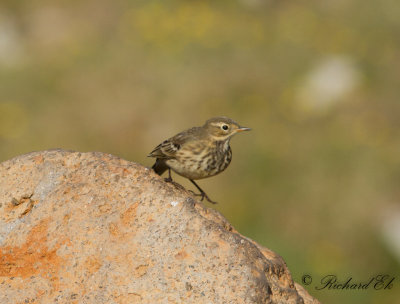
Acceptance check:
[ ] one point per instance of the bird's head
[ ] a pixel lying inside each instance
(222, 128)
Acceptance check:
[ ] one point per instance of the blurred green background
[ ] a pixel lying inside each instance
(317, 180)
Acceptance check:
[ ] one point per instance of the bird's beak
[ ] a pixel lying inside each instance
(241, 129)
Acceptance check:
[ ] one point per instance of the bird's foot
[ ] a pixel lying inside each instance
(169, 180)
(203, 196)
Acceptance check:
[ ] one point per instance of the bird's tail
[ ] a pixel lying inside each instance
(159, 166)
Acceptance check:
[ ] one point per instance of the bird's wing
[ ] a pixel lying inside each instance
(168, 148)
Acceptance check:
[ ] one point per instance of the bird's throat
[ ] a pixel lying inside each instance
(222, 145)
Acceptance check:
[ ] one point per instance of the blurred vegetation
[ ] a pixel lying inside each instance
(318, 82)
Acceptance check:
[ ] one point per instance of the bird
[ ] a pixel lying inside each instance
(198, 152)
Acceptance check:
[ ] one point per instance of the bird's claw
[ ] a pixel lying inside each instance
(169, 180)
(203, 195)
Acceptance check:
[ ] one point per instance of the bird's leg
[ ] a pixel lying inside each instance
(202, 193)
(169, 178)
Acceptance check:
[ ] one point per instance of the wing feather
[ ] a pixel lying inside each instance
(168, 148)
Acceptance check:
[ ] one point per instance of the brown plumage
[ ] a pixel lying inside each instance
(198, 152)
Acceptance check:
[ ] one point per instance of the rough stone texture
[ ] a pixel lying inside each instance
(94, 228)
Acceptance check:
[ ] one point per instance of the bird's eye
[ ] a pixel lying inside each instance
(225, 127)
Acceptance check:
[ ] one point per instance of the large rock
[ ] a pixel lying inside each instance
(94, 228)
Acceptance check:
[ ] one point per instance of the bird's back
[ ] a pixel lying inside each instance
(168, 148)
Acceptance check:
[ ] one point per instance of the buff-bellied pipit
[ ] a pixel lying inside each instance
(198, 152)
